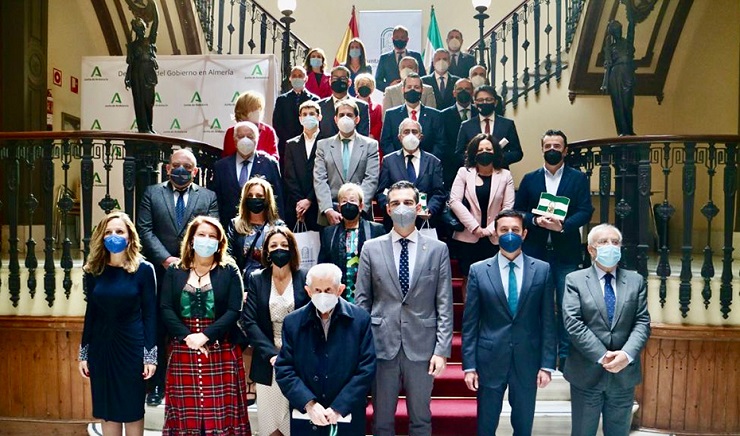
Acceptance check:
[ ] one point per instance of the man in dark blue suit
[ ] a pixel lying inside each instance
(327, 362)
(340, 83)
(557, 242)
(417, 166)
(452, 117)
(441, 80)
(387, 73)
(460, 63)
(429, 119)
(232, 172)
(285, 114)
(508, 333)
(487, 121)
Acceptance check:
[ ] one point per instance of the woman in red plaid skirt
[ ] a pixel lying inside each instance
(201, 301)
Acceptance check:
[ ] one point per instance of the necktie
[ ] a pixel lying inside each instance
(488, 126)
(180, 208)
(609, 297)
(345, 157)
(403, 266)
(410, 172)
(454, 61)
(244, 174)
(398, 58)
(413, 115)
(442, 85)
(464, 116)
(513, 294)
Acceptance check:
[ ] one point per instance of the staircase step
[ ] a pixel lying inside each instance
(458, 309)
(456, 347)
(457, 290)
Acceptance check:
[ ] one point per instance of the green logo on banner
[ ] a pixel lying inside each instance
(157, 99)
(236, 96)
(96, 125)
(116, 98)
(134, 126)
(175, 124)
(196, 98)
(257, 71)
(215, 124)
(96, 72)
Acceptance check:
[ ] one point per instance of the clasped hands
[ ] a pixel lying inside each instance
(197, 341)
(615, 361)
(321, 416)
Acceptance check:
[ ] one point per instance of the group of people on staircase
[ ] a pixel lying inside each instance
(374, 315)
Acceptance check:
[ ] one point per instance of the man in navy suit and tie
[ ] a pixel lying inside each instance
(429, 118)
(387, 73)
(488, 121)
(340, 83)
(441, 80)
(417, 166)
(460, 63)
(557, 242)
(452, 117)
(232, 172)
(508, 334)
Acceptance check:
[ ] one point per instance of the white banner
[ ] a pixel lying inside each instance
(376, 32)
(194, 99)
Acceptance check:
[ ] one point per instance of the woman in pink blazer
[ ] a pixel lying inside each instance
(481, 181)
(317, 81)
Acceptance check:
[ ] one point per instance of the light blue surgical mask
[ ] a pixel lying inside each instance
(309, 122)
(315, 62)
(298, 82)
(608, 255)
(355, 53)
(205, 246)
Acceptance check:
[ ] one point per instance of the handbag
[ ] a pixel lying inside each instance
(450, 220)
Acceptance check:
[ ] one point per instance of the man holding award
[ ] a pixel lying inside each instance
(557, 202)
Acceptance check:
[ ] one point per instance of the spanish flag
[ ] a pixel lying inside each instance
(351, 32)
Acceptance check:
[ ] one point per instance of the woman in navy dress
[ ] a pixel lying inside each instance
(118, 350)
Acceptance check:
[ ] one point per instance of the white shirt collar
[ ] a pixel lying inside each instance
(558, 172)
(601, 273)
(416, 154)
(446, 75)
(503, 262)
(413, 237)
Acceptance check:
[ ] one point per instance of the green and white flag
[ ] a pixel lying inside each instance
(552, 206)
(434, 39)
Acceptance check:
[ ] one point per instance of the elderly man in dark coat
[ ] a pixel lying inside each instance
(327, 362)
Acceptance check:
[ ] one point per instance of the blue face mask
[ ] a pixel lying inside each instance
(204, 246)
(608, 255)
(510, 242)
(180, 176)
(355, 53)
(115, 243)
(315, 62)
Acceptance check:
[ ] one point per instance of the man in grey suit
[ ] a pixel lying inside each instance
(605, 313)
(508, 337)
(404, 282)
(164, 213)
(342, 158)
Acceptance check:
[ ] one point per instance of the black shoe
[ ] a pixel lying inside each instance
(154, 398)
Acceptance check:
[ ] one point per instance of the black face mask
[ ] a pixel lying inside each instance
(280, 257)
(364, 91)
(485, 158)
(463, 97)
(399, 44)
(339, 86)
(412, 96)
(486, 109)
(180, 176)
(256, 205)
(553, 157)
(350, 211)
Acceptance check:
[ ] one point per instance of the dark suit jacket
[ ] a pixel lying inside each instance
(328, 127)
(431, 127)
(429, 180)
(451, 122)
(298, 180)
(464, 63)
(227, 189)
(523, 343)
(156, 223)
(333, 246)
(285, 118)
(336, 372)
(443, 100)
(388, 68)
(228, 294)
(502, 128)
(573, 185)
(256, 322)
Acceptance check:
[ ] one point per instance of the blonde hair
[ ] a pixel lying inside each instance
(99, 255)
(187, 253)
(247, 102)
(241, 222)
(349, 188)
(365, 77)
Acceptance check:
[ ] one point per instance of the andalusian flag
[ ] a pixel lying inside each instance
(434, 40)
(352, 32)
(552, 206)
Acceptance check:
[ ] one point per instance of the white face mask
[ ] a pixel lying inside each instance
(255, 116)
(477, 81)
(454, 44)
(324, 302)
(441, 66)
(410, 142)
(245, 146)
(405, 72)
(346, 125)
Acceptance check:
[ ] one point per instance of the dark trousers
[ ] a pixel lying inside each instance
(615, 404)
(522, 398)
(160, 375)
(559, 270)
